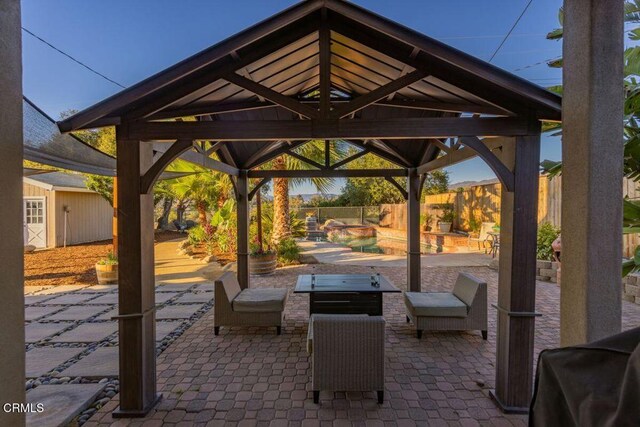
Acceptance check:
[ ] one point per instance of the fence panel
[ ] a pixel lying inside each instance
(351, 215)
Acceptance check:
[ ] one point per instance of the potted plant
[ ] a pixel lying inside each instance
(262, 260)
(107, 269)
(426, 220)
(446, 218)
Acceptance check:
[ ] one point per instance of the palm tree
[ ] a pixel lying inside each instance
(203, 189)
(313, 150)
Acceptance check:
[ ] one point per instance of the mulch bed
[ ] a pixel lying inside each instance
(73, 265)
(222, 257)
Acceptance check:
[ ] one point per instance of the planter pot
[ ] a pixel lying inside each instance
(260, 265)
(445, 227)
(107, 273)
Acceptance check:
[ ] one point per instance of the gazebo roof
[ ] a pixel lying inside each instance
(324, 60)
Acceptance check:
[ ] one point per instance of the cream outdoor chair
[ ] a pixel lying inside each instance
(347, 353)
(248, 307)
(483, 236)
(463, 309)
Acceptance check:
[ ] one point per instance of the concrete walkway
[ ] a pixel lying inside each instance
(172, 268)
(332, 253)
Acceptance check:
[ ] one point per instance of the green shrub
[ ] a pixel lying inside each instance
(288, 252)
(196, 235)
(111, 259)
(547, 233)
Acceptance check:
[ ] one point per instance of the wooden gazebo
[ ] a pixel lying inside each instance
(328, 70)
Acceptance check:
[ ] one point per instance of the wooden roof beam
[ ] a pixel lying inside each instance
(444, 106)
(209, 109)
(269, 130)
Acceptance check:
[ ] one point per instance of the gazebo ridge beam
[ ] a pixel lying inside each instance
(268, 130)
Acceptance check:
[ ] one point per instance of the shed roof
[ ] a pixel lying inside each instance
(59, 181)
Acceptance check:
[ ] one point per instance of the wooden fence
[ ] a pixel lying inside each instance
(483, 203)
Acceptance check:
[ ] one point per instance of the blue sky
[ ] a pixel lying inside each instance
(130, 40)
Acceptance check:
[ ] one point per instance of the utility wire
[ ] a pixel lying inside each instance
(511, 30)
(73, 59)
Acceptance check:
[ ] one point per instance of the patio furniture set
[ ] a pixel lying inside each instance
(346, 333)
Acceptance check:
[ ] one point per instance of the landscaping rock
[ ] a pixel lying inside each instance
(29, 248)
(209, 258)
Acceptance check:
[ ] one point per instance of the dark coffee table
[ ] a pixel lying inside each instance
(344, 293)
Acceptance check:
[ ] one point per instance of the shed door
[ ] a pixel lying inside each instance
(35, 219)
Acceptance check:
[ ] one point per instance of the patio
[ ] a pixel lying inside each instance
(253, 377)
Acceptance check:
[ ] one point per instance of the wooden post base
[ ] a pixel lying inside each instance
(120, 413)
(507, 409)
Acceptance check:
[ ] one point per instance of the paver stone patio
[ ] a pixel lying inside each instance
(80, 312)
(88, 332)
(41, 360)
(36, 331)
(165, 328)
(34, 313)
(203, 297)
(173, 287)
(111, 298)
(100, 363)
(60, 289)
(108, 315)
(72, 298)
(99, 289)
(162, 297)
(61, 402)
(178, 311)
(36, 299)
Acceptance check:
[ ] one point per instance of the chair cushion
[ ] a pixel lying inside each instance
(466, 287)
(231, 286)
(260, 300)
(435, 304)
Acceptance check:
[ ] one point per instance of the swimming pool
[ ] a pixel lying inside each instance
(375, 245)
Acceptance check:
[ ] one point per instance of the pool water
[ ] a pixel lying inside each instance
(374, 245)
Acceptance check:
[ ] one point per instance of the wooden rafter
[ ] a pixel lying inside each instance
(380, 153)
(305, 159)
(290, 104)
(444, 106)
(272, 154)
(325, 65)
(350, 158)
(377, 94)
(210, 108)
(330, 173)
(392, 150)
(268, 130)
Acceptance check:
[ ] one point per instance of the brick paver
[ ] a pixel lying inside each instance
(253, 377)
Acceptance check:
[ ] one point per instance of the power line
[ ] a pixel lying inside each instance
(511, 30)
(73, 59)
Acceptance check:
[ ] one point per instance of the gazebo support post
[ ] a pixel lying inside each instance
(136, 280)
(413, 231)
(242, 197)
(517, 276)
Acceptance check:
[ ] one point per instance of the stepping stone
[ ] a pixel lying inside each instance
(178, 311)
(34, 313)
(68, 299)
(41, 360)
(60, 289)
(108, 315)
(99, 289)
(62, 402)
(35, 332)
(88, 332)
(105, 299)
(162, 297)
(101, 363)
(35, 299)
(204, 287)
(165, 328)
(173, 287)
(80, 312)
(193, 297)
